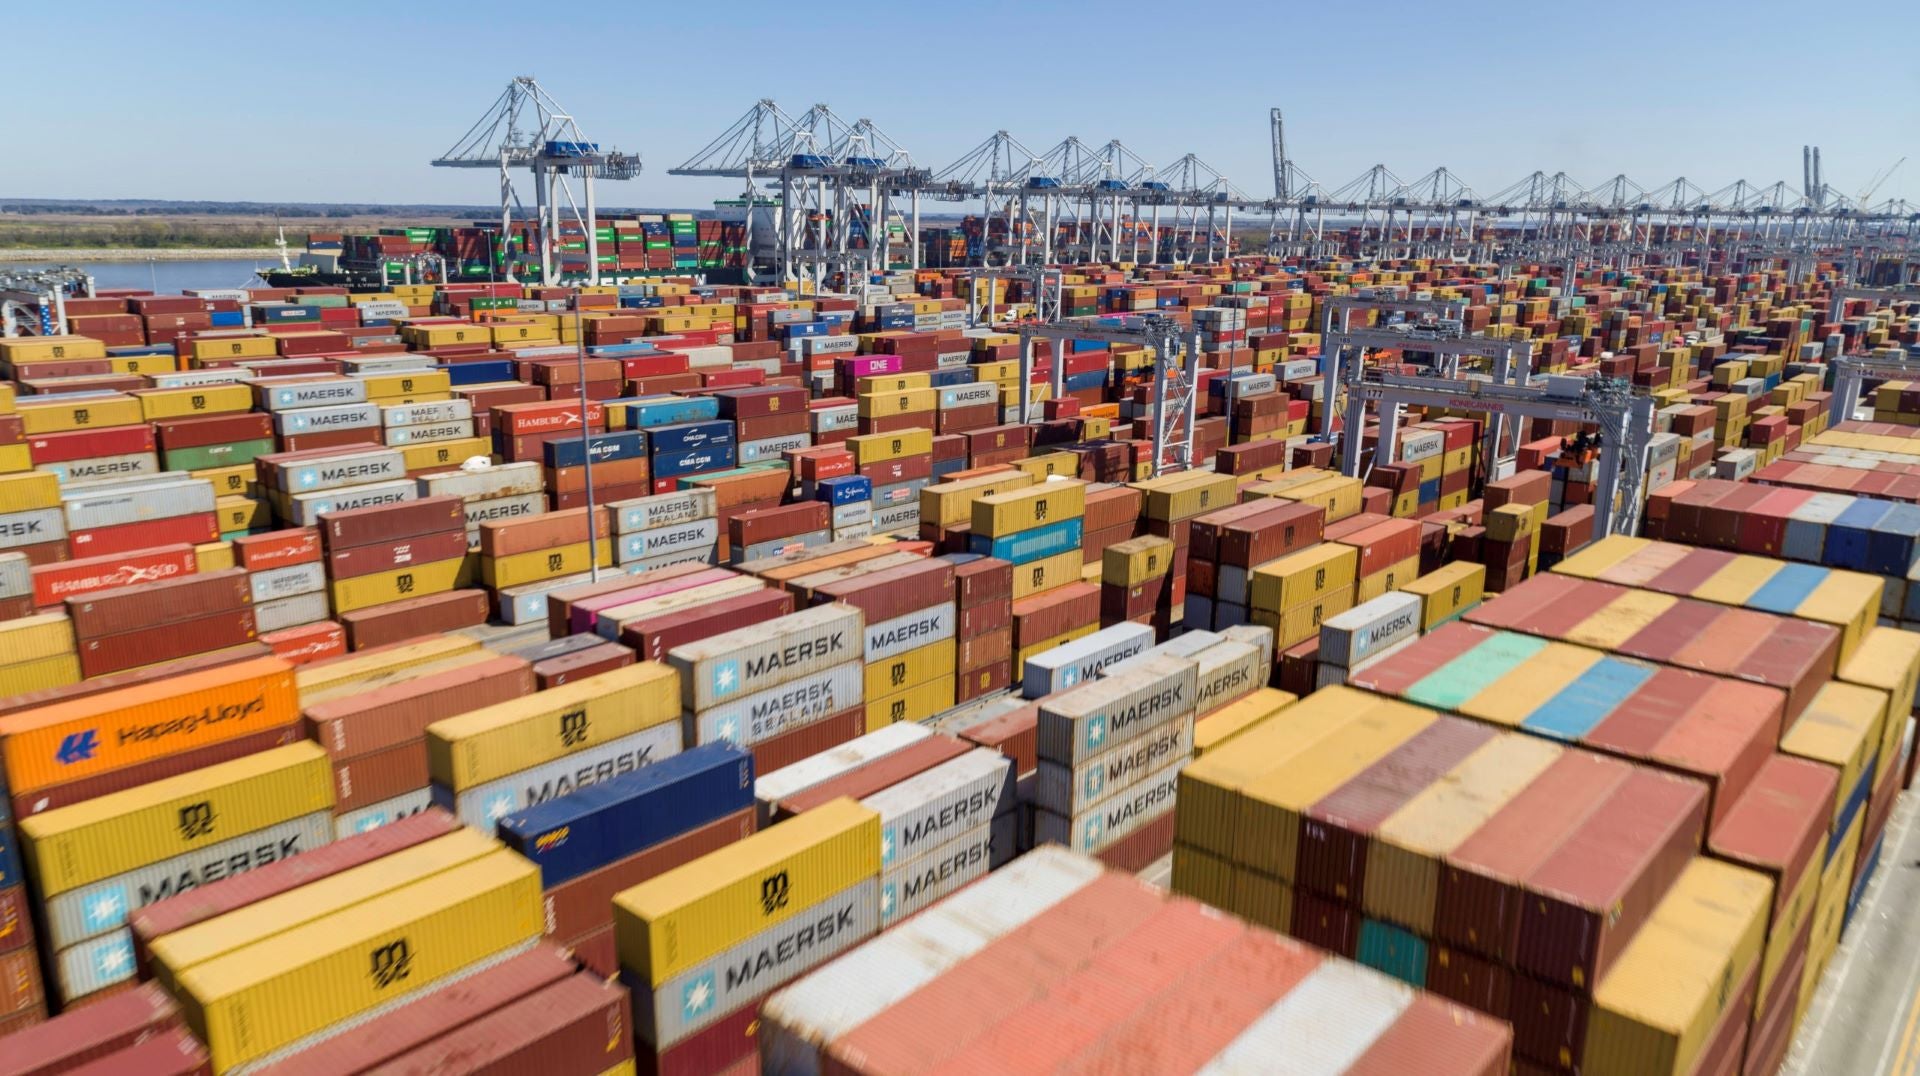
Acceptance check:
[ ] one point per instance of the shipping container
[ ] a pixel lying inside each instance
(488, 744)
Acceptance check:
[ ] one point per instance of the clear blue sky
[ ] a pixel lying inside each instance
(348, 101)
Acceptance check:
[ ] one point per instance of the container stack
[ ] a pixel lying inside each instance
(619, 464)
(146, 624)
(488, 763)
(882, 1008)
(983, 626)
(783, 688)
(397, 571)
(1228, 543)
(288, 579)
(701, 945)
(590, 847)
(24, 999)
(1516, 509)
(557, 545)
(1134, 580)
(665, 529)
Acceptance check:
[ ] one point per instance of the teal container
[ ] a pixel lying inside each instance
(1393, 950)
(201, 457)
(1452, 684)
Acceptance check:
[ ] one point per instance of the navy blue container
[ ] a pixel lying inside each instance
(607, 822)
(795, 329)
(607, 447)
(959, 375)
(1847, 536)
(1891, 545)
(685, 436)
(694, 461)
(845, 489)
(1092, 379)
(479, 373)
(9, 857)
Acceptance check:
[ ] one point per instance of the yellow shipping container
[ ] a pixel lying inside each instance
(1784, 929)
(199, 400)
(43, 348)
(1830, 908)
(508, 737)
(1046, 573)
(1270, 807)
(92, 414)
(28, 491)
(949, 504)
(342, 670)
(1527, 686)
(1263, 900)
(1205, 878)
(39, 674)
(1210, 788)
(1136, 560)
(259, 998)
(1840, 727)
(914, 704)
(1887, 659)
(1303, 577)
(1390, 578)
(670, 923)
(1050, 465)
(1222, 725)
(1738, 580)
(1338, 496)
(880, 447)
(413, 383)
(235, 347)
(213, 556)
(414, 581)
(235, 481)
(1621, 619)
(1850, 601)
(1185, 495)
(448, 454)
(887, 404)
(69, 847)
(1510, 522)
(1447, 591)
(1409, 847)
(174, 954)
(32, 637)
(1655, 1008)
(537, 564)
(910, 669)
(1037, 505)
(241, 514)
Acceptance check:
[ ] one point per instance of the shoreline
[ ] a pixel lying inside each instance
(128, 254)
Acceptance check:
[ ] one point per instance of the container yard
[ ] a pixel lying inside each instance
(1045, 613)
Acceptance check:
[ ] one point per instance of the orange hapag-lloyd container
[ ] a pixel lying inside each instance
(88, 736)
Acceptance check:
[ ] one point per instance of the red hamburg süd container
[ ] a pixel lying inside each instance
(55, 583)
(150, 604)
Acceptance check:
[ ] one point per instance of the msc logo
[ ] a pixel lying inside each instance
(573, 728)
(554, 561)
(404, 584)
(1039, 511)
(1319, 579)
(78, 747)
(391, 964)
(199, 402)
(551, 839)
(196, 820)
(773, 892)
(897, 711)
(897, 673)
(898, 446)
(406, 384)
(82, 415)
(1039, 577)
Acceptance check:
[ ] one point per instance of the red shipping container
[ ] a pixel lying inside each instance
(45, 448)
(129, 537)
(308, 642)
(277, 549)
(55, 583)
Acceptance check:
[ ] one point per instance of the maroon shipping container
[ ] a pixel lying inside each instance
(212, 430)
(579, 1024)
(584, 905)
(173, 1052)
(1055, 612)
(391, 522)
(1138, 850)
(386, 556)
(205, 902)
(1587, 897)
(168, 601)
(651, 637)
(16, 923)
(795, 744)
(728, 1041)
(1328, 924)
(978, 651)
(977, 683)
(772, 524)
(1470, 979)
(895, 592)
(598, 953)
(547, 531)
(434, 1013)
(1477, 904)
(1014, 734)
(1337, 831)
(27, 804)
(871, 777)
(413, 617)
(987, 581)
(984, 619)
(277, 549)
(367, 779)
(89, 1033)
(564, 670)
(146, 646)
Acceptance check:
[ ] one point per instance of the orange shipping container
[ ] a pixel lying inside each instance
(88, 736)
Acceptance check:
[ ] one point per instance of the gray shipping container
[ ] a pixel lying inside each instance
(327, 419)
(1084, 721)
(1083, 659)
(749, 660)
(750, 719)
(1105, 822)
(426, 414)
(1068, 790)
(908, 887)
(499, 480)
(910, 631)
(663, 510)
(32, 527)
(1369, 628)
(348, 469)
(497, 509)
(454, 430)
(304, 394)
(288, 582)
(769, 448)
(375, 815)
(933, 807)
(778, 546)
(16, 575)
(307, 507)
(291, 612)
(701, 534)
(137, 504)
(132, 464)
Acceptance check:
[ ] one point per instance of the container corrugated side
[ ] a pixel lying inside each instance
(87, 736)
(772, 787)
(73, 846)
(325, 674)
(749, 660)
(488, 744)
(192, 946)
(1654, 1011)
(484, 805)
(1068, 790)
(804, 1017)
(1080, 723)
(1102, 824)
(1325, 1024)
(932, 807)
(905, 888)
(1215, 730)
(261, 997)
(761, 716)
(1227, 670)
(668, 924)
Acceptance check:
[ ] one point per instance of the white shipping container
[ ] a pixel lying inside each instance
(906, 888)
(984, 392)
(1368, 628)
(95, 468)
(770, 448)
(290, 581)
(308, 507)
(862, 529)
(484, 805)
(289, 612)
(748, 660)
(1083, 659)
(225, 375)
(1228, 670)
(1084, 721)
(933, 807)
(138, 504)
(327, 419)
(752, 718)
(497, 480)
(16, 575)
(799, 1023)
(32, 527)
(699, 535)
(1068, 790)
(295, 395)
(1180, 646)
(910, 631)
(350, 469)
(703, 555)
(427, 434)
(780, 546)
(369, 365)
(663, 510)
(897, 517)
(427, 414)
(1111, 819)
(499, 509)
(835, 419)
(795, 778)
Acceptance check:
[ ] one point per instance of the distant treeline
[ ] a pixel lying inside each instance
(141, 234)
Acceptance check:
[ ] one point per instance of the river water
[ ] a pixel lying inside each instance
(166, 277)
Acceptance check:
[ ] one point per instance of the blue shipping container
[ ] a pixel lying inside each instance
(686, 436)
(1029, 545)
(845, 489)
(692, 462)
(606, 447)
(1890, 546)
(649, 412)
(607, 822)
(479, 373)
(1847, 535)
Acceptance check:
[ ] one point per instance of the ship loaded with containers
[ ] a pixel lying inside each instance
(688, 676)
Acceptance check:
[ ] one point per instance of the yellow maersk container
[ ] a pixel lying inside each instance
(670, 923)
(258, 998)
(69, 847)
(494, 741)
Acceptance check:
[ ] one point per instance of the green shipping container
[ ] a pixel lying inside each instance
(201, 457)
(1393, 950)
